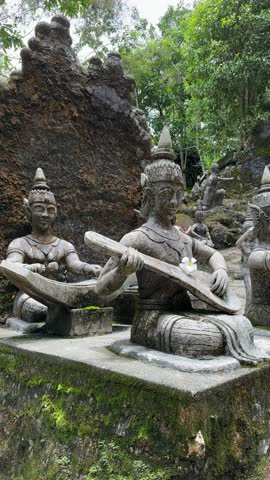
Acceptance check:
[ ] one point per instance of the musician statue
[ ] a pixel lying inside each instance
(42, 252)
(162, 321)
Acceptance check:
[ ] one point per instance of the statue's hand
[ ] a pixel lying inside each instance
(52, 267)
(92, 269)
(219, 282)
(130, 262)
(37, 268)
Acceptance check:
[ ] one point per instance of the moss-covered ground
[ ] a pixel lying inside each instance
(62, 420)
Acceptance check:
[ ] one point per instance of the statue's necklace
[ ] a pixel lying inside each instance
(42, 242)
(166, 234)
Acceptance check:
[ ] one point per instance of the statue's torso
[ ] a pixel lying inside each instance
(259, 264)
(154, 288)
(200, 229)
(34, 251)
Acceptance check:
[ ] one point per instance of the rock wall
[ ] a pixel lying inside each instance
(79, 126)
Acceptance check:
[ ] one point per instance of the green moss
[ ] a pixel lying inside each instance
(81, 423)
(91, 307)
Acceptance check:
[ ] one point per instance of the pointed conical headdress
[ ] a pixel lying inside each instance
(162, 167)
(262, 198)
(40, 192)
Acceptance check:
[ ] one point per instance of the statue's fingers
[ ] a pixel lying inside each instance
(139, 262)
(215, 284)
(123, 259)
(132, 259)
(220, 287)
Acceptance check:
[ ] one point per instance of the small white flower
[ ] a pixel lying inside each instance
(188, 265)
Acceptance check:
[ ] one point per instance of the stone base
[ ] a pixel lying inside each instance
(78, 322)
(176, 362)
(21, 326)
(123, 415)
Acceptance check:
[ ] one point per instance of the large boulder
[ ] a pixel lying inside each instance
(80, 127)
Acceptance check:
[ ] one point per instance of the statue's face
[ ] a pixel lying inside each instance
(199, 216)
(43, 215)
(167, 197)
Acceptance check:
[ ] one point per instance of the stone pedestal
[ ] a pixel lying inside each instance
(78, 322)
(146, 421)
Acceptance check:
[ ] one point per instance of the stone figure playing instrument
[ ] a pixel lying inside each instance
(41, 251)
(199, 230)
(213, 197)
(258, 309)
(154, 251)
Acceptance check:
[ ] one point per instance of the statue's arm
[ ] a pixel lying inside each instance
(208, 236)
(193, 234)
(116, 271)
(75, 265)
(216, 262)
(16, 254)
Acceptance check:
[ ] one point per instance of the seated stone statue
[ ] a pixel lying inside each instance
(213, 197)
(41, 251)
(199, 230)
(161, 320)
(258, 309)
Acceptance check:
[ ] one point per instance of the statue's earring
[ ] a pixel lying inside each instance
(27, 210)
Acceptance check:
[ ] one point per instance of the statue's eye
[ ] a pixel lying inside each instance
(38, 209)
(51, 211)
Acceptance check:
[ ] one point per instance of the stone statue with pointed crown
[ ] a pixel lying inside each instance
(41, 252)
(162, 320)
(258, 309)
(199, 230)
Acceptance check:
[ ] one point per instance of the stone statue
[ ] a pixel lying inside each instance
(246, 243)
(213, 197)
(258, 310)
(162, 321)
(42, 252)
(199, 230)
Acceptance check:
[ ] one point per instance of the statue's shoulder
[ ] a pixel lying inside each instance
(135, 239)
(18, 245)
(66, 246)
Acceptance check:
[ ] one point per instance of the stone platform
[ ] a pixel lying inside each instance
(73, 394)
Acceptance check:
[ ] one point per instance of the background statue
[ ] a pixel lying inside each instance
(161, 321)
(213, 197)
(42, 252)
(258, 310)
(199, 230)
(247, 242)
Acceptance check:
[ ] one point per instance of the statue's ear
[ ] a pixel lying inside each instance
(27, 209)
(150, 196)
(143, 180)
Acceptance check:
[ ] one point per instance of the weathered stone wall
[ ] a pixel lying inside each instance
(79, 127)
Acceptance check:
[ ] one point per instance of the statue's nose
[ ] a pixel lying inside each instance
(173, 201)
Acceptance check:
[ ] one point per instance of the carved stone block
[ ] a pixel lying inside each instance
(78, 322)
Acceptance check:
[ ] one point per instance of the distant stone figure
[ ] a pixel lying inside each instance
(157, 251)
(41, 251)
(199, 230)
(213, 197)
(258, 310)
(246, 243)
